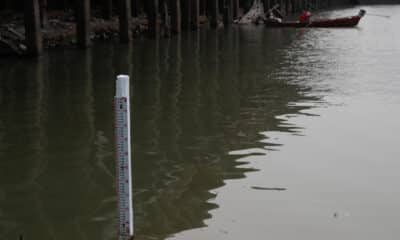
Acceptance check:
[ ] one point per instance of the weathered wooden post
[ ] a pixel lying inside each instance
(186, 14)
(125, 33)
(297, 5)
(83, 23)
(135, 8)
(165, 18)
(293, 5)
(195, 15)
(203, 7)
(266, 4)
(43, 13)
(214, 8)
(272, 3)
(33, 33)
(236, 8)
(287, 7)
(153, 17)
(227, 12)
(176, 16)
(107, 9)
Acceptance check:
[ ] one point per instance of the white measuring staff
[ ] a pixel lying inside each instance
(124, 165)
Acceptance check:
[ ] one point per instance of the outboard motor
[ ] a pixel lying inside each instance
(362, 13)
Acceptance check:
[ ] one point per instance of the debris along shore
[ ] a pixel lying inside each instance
(26, 27)
(59, 30)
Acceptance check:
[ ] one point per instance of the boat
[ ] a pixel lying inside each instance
(351, 21)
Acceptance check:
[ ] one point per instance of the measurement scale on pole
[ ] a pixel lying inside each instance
(123, 153)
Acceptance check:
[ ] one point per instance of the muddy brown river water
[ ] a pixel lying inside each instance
(245, 133)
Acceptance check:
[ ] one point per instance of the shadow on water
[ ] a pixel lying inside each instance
(196, 97)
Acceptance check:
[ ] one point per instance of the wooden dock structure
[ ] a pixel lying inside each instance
(166, 16)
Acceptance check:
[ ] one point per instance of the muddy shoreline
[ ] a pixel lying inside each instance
(59, 31)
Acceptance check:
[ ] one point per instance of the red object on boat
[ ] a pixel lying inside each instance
(321, 23)
(305, 17)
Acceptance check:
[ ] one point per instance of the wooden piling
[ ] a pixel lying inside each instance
(125, 33)
(214, 8)
(203, 7)
(266, 4)
(287, 7)
(165, 18)
(236, 8)
(83, 23)
(305, 4)
(227, 11)
(195, 14)
(153, 17)
(292, 6)
(107, 9)
(297, 6)
(176, 16)
(33, 33)
(43, 13)
(135, 8)
(186, 14)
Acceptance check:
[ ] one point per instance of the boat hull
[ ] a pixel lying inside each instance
(319, 23)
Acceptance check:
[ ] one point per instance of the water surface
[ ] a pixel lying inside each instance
(240, 133)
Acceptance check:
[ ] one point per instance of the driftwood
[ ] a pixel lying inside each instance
(11, 41)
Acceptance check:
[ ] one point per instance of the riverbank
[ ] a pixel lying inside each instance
(60, 31)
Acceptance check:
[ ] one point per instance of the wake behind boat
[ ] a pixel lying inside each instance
(320, 23)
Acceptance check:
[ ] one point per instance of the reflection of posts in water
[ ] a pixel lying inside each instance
(170, 93)
(211, 85)
(89, 90)
(123, 60)
(40, 111)
(196, 79)
(41, 79)
(148, 95)
(176, 92)
(33, 33)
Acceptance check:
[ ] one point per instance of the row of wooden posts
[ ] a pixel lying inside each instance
(177, 15)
